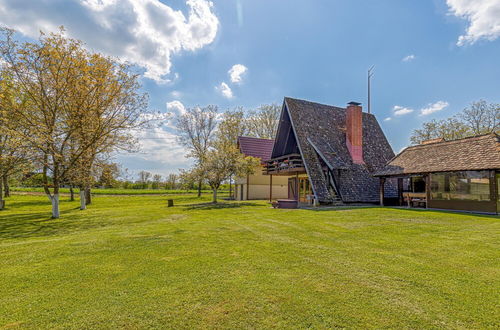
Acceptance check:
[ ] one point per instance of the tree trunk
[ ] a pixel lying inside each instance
(230, 190)
(2, 202)
(54, 199)
(214, 200)
(71, 193)
(6, 186)
(199, 188)
(83, 203)
(88, 196)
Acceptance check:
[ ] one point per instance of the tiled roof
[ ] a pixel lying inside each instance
(255, 147)
(474, 153)
(321, 133)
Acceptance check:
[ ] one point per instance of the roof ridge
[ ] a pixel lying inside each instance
(323, 104)
(253, 137)
(474, 137)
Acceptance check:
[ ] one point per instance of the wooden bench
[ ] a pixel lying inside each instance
(415, 199)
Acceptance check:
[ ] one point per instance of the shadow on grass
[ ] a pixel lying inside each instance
(40, 224)
(418, 210)
(219, 205)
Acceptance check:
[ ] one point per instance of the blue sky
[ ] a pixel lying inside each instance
(432, 58)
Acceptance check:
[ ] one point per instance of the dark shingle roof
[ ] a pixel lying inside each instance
(474, 153)
(255, 147)
(320, 131)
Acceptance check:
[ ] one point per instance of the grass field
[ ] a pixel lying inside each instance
(131, 262)
(112, 191)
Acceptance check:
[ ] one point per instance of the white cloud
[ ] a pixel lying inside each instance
(236, 73)
(483, 17)
(433, 107)
(143, 32)
(177, 107)
(388, 119)
(160, 146)
(225, 90)
(408, 58)
(400, 111)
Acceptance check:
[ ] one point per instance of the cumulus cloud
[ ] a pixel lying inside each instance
(225, 90)
(408, 58)
(177, 107)
(236, 73)
(161, 149)
(143, 32)
(400, 111)
(482, 16)
(433, 107)
(388, 119)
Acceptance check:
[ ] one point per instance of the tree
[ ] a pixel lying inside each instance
(156, 181)
(172, 181)
(14, 152)
(223, 160)
(196, 129)
(79, 104)
(479, 118)
(144, 178)
(109, 173)
(263, 122)
(232, 125)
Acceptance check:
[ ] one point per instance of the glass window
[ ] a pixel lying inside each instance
(466, 185)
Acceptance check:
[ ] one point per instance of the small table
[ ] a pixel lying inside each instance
(287, 204)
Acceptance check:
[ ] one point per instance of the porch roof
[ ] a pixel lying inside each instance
(474, 153)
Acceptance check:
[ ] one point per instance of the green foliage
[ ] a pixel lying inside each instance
(132, 262)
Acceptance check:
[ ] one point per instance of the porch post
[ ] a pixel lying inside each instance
(271, 188)
(427, 190)
(381, 191)
(248, 186)
(400, 191)
(297, 186)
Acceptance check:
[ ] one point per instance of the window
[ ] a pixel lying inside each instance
(466, 185)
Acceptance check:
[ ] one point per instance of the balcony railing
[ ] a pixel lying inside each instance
(284, 164)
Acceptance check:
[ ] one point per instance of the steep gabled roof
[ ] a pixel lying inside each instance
(320, 133)
(474, 153)
(255, 147)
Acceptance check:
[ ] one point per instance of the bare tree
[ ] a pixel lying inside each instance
(263, 122)
(196, 129)
(156, 181)
(172, 181)
(144, 178)
(481, 117)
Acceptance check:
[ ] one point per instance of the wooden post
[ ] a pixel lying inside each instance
(381, 191)
(170, 203)
(248, 186)
(297, 194)
(400, 191)
(271, 188)
(427, 190)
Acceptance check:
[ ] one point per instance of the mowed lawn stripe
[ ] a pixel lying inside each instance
(129, 261)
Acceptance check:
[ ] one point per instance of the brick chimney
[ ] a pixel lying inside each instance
(354, 131)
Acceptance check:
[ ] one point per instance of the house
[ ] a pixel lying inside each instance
(329, 154)
(459, 175)
(258, 185)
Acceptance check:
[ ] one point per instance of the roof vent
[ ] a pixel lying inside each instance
(354, 103)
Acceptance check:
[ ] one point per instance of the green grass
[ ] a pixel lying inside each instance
(131, 262)
(112, 191)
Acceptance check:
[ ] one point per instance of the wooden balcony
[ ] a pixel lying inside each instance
(284, 165)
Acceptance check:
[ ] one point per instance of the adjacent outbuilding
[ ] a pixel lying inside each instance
(461, 174)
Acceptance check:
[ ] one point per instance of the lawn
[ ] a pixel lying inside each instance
(111, 191)
(131, 262)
